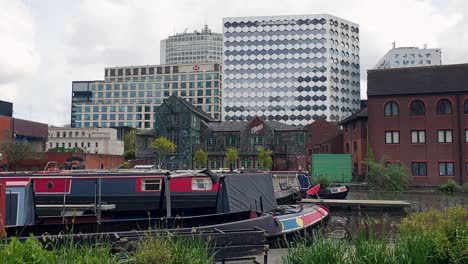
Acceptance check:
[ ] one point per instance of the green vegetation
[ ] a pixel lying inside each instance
(157, 249)
(16, 152)
(264, 158)
(124, 165)
(201, 157)
(129, 154)
(32, 251)
(129, 139)
(162, 146)
(390, 177)
(427, 237)
(450, 187)
(322, 180)
(232, 156)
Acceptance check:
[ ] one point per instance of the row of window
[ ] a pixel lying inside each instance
(83, 144)
(155, 185)
(151, 85)
(418, 108)
(70, 134)
(174, 77)
(419, 136)
(420, 168)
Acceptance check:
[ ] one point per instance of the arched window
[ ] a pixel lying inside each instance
(391, 109)
(465, 107)
(417, 108)
(444, 107)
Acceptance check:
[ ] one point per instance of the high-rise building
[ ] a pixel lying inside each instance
(128, 95)
(196, 47)
(292, 69)
(404, 57)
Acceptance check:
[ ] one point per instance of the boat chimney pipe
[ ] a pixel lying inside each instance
(167, 189)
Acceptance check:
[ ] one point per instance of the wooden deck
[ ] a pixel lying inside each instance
(360, 204)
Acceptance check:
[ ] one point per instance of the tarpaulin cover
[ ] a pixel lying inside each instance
(240, 192)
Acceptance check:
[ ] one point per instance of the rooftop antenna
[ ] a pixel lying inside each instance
(393, 44)
(425, 45)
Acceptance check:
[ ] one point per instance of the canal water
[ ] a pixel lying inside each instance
(346, 223)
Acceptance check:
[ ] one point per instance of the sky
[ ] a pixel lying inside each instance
(47, 44)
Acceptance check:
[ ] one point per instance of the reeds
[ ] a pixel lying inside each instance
(427, 237)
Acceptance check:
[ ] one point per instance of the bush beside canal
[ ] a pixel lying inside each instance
(427, 237)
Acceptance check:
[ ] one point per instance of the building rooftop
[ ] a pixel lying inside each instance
(239, 125)
(418, 80)
(363, 113)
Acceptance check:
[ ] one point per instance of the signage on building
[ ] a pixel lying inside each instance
(196, 67)
(257, 127)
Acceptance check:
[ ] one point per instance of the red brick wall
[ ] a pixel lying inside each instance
(5, 128)
(358, 134)
(316, 132)
(431, 152)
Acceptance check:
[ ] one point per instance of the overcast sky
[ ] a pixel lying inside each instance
(47, 44)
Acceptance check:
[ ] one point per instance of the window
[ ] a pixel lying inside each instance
(151, 185)
(215, 164)
(230, 142)
(256, 140)
(418, 136)
(347, 147)
(465, 107)
(417, 108)
(201, 184)
(300, 139)
(445, 136)
(392, 163)
(444, 107)
(446, 169)
(391, 109)
(246, 164)
(466, 135)
(210, 141)
(419, 168)
(392, 137)
(355, 146)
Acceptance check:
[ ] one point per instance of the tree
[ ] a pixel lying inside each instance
(129, 140)
(264, 159)
(129, 154)
(16, 152)
(231, 156)
(162, 146)
(77, 150)
(200, 158)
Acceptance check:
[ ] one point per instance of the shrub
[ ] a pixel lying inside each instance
(322, 180)
(129, 154)
(125, 165)
(450, 186)
(388, 178)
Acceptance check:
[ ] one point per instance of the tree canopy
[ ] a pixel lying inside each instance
(231, 156)
(201, 158)
(15, 152)
(162, 146)
(264, 158)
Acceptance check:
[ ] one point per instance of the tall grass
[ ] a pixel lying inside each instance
(427, 237)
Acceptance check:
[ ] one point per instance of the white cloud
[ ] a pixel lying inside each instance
(77, 39)
(18, 57)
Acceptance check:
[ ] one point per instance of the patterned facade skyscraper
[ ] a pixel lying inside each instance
(292, 69)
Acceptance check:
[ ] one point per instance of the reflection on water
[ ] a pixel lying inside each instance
(345, 223)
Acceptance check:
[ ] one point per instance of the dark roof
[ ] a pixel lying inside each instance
(149, 132)
(194, 109)
(240, 125)
(418, 80)
(330, 137)
(363, 113)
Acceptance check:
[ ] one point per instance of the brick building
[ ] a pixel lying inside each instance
(418, 117)
(192, 129)
(355, 141)
(323, 136)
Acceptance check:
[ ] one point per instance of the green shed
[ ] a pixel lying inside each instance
(336, 167)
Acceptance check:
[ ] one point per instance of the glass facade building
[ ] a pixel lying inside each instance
(128, 95)
(292, 69)
(196, 47)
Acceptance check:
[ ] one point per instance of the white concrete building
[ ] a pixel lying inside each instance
(90, 140)
(404, 57)
(292, 69)
(194, 47)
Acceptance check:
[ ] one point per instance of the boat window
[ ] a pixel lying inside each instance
(50, 185)
(151, 185)
(201, 184)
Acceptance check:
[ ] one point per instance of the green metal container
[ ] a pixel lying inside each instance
(335, 167)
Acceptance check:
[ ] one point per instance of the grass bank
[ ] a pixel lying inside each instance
(427, 237)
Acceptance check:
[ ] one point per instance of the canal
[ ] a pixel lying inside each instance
(346, 223)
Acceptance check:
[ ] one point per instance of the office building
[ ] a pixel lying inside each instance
(90, 140)
(418, 117)
(404, 57)
(128, 96)
(189, 48)
(291, 69)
